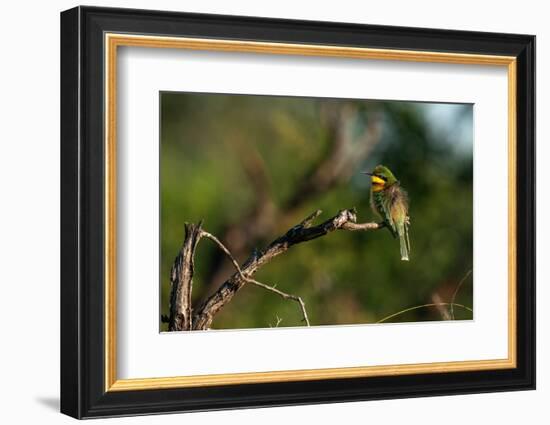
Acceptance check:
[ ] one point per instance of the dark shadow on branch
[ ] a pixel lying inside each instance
(183, 317)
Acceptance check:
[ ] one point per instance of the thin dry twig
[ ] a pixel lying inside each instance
(303, 232)
(285, 296)
(308, 221)
(456, 292)
(391, 316)
(277, 323)
(282, 294)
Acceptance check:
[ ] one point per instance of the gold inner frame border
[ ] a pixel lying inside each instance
(113, 40)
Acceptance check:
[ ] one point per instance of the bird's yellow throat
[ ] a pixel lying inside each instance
(377, 180)
(377, 183)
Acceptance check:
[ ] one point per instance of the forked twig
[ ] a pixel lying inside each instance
(282, 294)
(304, 231)
(183, 316)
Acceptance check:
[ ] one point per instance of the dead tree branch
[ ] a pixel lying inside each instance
(284, 295)
(303, 232)
(181, 280)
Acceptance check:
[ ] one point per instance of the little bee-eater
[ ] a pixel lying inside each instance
(390, 201)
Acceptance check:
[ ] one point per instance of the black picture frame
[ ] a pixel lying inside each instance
(83, 392)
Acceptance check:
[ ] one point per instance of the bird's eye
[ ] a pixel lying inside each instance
(382, 177)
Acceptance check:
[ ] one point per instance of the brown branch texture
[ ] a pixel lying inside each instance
(185, 317)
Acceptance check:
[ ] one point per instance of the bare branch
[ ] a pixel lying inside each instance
(285, 296)
(303, 232)
(277, 323)
(308, 221)
(181, 280)
(362, 226)
(255, 282)
(225, 250)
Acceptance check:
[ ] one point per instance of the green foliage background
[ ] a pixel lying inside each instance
(345, 277)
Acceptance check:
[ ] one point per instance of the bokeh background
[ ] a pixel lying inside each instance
(253, 166)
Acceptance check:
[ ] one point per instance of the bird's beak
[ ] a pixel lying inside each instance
(366, 172)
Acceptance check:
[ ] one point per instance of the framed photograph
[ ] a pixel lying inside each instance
(261, 212)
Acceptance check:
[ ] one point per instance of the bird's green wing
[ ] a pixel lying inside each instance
(399, 213)
(383, 201)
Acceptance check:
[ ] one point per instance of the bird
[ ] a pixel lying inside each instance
(390, 201)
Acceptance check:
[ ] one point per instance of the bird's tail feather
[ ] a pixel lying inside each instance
(404, 243)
